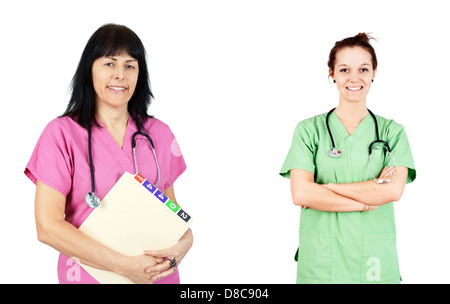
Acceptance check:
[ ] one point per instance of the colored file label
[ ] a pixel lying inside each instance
(172, 206)
(149, 186)
(164, 199)
(160, 196)
(184, 216)
(139, 178)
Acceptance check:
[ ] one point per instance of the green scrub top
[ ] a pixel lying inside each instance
(347, 247)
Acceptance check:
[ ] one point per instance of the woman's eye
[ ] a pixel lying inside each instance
(110, 64)
(130, 67)
(364, 70)
(343, 70)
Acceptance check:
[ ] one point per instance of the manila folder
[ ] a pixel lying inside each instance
(130, 219)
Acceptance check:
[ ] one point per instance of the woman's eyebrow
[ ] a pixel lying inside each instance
(115, 59)
(343, 64)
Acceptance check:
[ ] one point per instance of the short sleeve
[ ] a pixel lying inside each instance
(301, 152)
(401, 151)
(177, 164)
(50, 161)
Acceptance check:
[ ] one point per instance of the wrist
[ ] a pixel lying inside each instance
(187, 239)
(329, 186)
(120, 265)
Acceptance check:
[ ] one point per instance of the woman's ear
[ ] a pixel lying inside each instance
(331, 74)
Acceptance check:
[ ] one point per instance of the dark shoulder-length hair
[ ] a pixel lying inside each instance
(109, 40)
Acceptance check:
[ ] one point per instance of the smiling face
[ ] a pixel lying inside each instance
(353, 73)
(114, 79)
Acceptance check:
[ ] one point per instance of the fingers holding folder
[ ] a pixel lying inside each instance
(133, 267)
(172, 257)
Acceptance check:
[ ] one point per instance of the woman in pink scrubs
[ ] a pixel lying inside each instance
(111, 93)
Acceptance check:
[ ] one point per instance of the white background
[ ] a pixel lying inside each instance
(232, 79)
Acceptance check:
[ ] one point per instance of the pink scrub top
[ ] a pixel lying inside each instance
(61, 161)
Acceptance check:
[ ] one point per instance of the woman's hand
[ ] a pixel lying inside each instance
(369, 208)
(134, 268)
(174, 255)
(386, 173)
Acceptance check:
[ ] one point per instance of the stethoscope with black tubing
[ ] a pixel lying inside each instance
(91, 198)
(334, 152)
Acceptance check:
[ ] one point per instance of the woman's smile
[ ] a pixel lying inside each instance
(116, 89)
(354, 88)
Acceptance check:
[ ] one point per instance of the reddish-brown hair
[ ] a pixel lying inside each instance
(361, 40)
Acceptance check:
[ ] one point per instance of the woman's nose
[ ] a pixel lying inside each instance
(354, 77)
(119, 73)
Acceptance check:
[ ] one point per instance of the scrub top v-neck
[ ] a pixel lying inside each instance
(60, 160)
(341, 247)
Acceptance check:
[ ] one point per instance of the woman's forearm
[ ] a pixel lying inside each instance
(305, 192)
(370, 192)
(53, 230)
(73, 243)
(185, 242)
(319, 198)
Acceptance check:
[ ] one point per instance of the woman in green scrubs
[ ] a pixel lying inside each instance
(347, 226)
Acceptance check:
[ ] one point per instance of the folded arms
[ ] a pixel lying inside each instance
(346, 197)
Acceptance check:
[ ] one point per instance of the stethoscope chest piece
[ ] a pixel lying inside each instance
(92, 200)
(334, 153)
